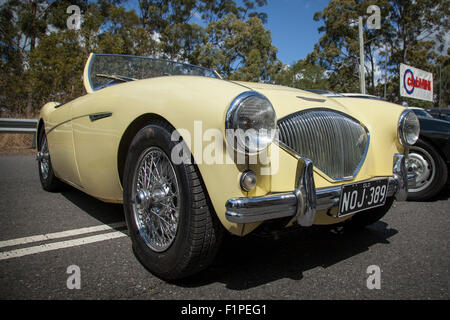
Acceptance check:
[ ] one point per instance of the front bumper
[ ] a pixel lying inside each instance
(305, 200)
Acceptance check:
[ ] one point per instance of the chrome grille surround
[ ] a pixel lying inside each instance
(336, 143)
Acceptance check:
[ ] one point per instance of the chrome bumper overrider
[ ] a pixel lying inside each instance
(305, 200)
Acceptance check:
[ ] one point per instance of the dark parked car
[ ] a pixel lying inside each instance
(440, 113)
(429, 157)
(420, 112)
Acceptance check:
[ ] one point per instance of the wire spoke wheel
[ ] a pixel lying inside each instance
(174, 231)
(49, 181)
(156, 199)
(44, 164)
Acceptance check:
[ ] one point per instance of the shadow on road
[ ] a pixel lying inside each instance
(104, 212)
(252, 261)
(441, 196)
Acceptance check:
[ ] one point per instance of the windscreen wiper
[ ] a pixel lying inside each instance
(115, 77)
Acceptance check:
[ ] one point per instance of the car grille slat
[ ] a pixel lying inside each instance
(336, 143)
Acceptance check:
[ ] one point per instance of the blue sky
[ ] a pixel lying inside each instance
(294, 32)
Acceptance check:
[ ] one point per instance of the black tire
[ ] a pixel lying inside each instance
(198, 233)
(430, 168)
(365, 218)
(48, 179)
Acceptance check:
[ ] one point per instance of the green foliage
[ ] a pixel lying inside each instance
(56, 67)
(214, 10)
(338, 48)
(411, 32)
(240, 50)
(303, 75)
(11, 67)
(42, 60)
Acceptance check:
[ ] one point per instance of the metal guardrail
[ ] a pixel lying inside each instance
(10, 125)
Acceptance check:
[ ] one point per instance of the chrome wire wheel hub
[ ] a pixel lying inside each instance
(156, 199)
(422, 165)
(43, 159)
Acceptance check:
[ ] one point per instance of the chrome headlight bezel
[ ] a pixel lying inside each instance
(232, 121)
(408, 128)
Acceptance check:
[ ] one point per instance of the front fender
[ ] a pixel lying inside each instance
(192, 105)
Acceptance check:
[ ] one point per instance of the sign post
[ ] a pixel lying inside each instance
(362, 75)
(416, 83)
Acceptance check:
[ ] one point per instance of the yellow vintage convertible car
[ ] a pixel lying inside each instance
(192, 156)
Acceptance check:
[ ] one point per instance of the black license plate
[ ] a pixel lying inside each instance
(361, 196)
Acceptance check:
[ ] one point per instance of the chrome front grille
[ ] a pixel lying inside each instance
(336, 143)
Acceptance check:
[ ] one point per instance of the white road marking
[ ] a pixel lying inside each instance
(60, 245)
(63, 234)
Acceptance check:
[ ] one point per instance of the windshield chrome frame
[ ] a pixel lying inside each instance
(212, 71)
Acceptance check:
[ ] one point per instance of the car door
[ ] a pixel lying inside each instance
(60, 142)
(96, 139)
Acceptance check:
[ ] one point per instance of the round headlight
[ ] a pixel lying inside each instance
(408, 128)
(250, 123)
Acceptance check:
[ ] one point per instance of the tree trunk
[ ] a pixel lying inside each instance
(29, 108)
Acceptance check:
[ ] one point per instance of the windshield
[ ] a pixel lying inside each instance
(422, 113)
(109, 69)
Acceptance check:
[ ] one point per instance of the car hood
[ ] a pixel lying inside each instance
(432, 125)
(286, 100)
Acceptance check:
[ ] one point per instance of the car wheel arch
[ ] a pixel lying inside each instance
(435, 179)
(436, 148)
(40, 127)
(128, 135)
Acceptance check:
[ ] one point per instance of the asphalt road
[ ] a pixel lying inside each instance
(410, 246)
